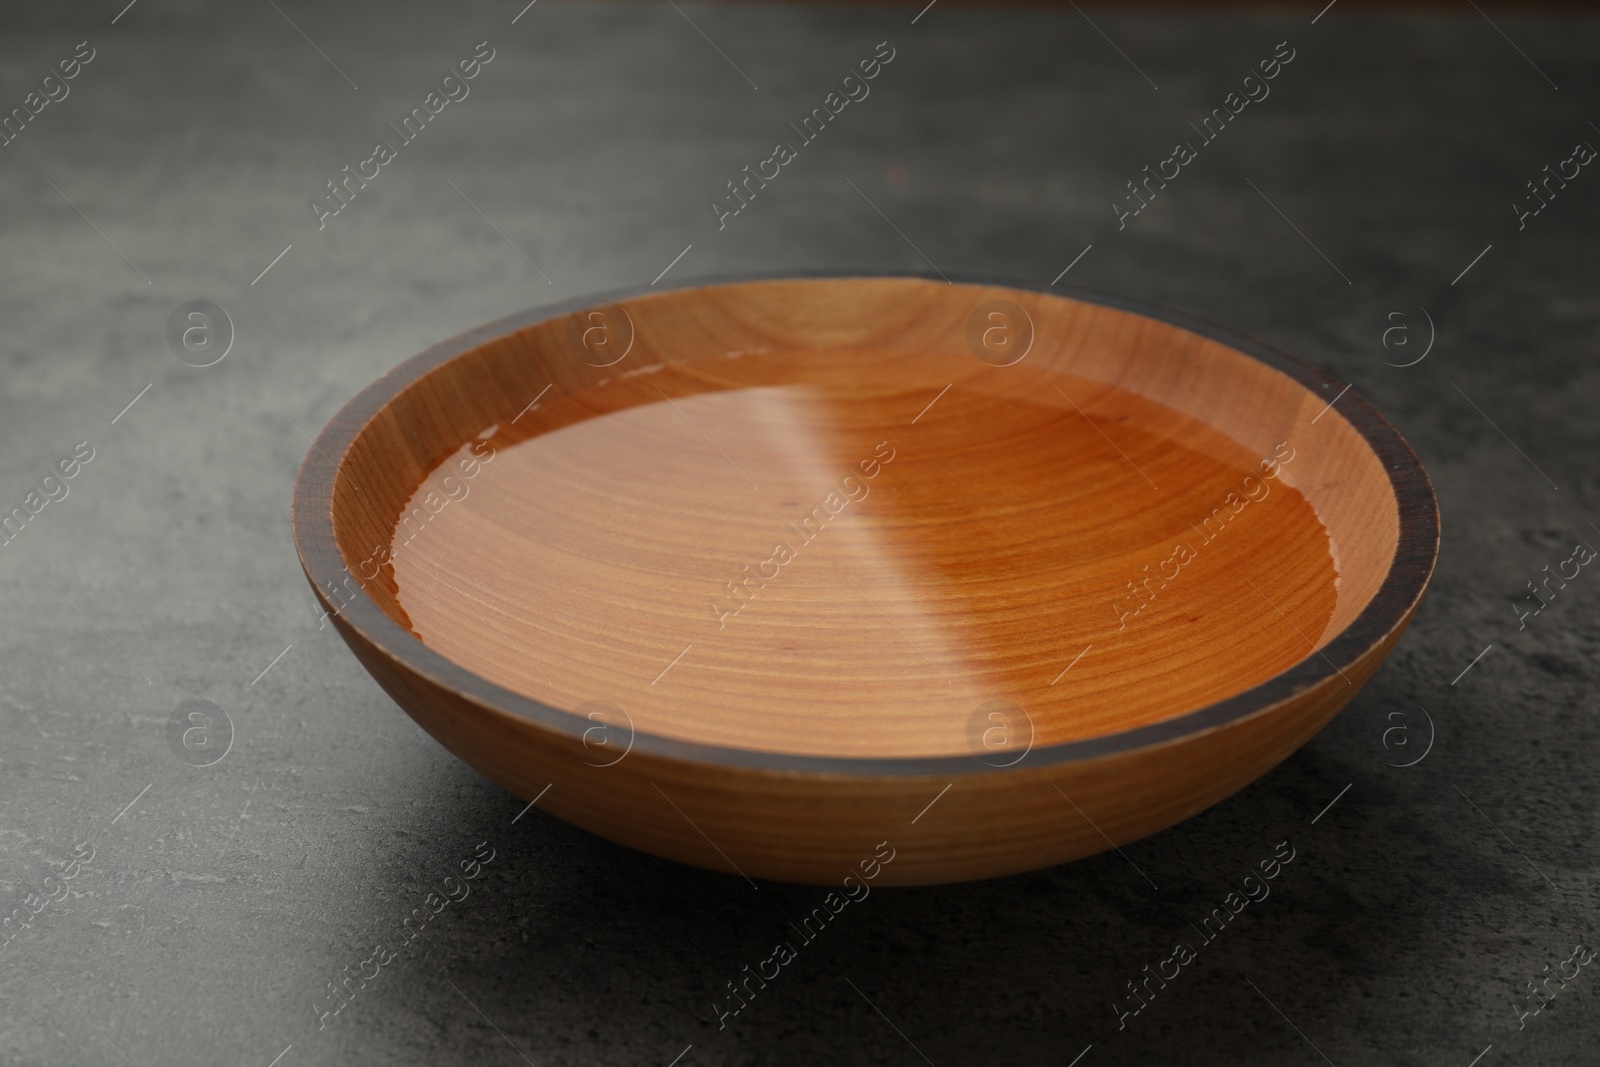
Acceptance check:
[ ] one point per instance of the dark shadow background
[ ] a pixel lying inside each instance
(221, 902)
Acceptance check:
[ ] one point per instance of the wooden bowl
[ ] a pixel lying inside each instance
(785, 576)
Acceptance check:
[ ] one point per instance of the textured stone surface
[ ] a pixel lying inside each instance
(219, 905)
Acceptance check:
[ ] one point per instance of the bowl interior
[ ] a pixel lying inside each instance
(864, 516)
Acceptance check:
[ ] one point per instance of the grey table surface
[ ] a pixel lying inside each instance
(221, 901)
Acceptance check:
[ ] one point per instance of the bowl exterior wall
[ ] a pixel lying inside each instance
(813, 828)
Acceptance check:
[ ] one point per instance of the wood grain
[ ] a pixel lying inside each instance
(750, 574)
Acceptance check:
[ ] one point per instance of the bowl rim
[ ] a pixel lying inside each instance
(1416, 549)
